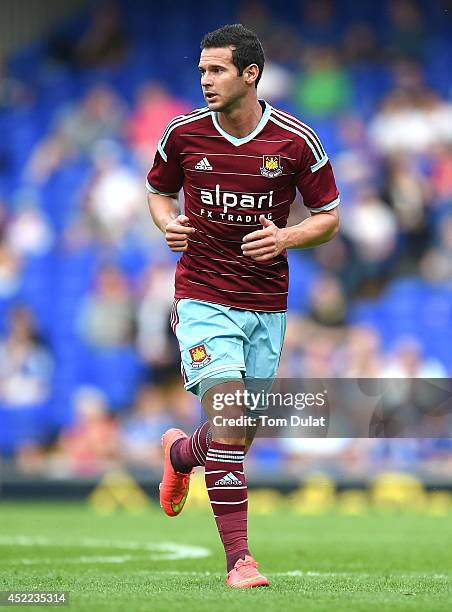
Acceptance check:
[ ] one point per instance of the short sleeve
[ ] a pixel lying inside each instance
(166, 175)
(316, 183)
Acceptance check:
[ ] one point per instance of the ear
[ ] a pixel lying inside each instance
(251, 73)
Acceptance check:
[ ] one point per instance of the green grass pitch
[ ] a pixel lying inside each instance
(393, 562)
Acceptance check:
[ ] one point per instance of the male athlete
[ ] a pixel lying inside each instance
(239, 162)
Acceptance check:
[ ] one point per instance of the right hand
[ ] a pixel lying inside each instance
(177, 233)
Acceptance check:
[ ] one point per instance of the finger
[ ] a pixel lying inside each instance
(173, 227)
(177, 243)
(255, 235)
(177, 240)
(182, 219)
(265, 222)
(264, 251)
(258, 244)
(179, 229)
(265, 257)
(179, 249)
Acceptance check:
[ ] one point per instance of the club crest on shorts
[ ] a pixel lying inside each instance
(199, 356)
(271, 166)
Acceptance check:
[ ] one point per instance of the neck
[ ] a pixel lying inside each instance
(242, 120)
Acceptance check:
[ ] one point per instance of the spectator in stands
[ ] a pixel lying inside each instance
(142, 428)
(413, 118)
(441, 178)
(327, 302)
(291, 356)
(406, 34)
(436, 265)
(372, 228)
(436, 456)
(155, 340)
(355, 161)
(336, 260)
(407, 361)
(361, 356)
(407, 192)
(31, 458)
(114, 196)
(107, 313)
(185, 408)
(276, 83)
(102, 43)
(360, 46)
(154, 109)
(98, 116)
(90, 445)
(322, 455)
(324, 86)
(10, 269)
(9, 260)
(29, 232)
(318, 357)
(26, 364)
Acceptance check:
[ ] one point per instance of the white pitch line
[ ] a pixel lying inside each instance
(302, 574)
(206, 574)
(164, 551)
(159, 551)
(310, 574)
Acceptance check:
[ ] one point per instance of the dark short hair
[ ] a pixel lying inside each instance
(247, 48)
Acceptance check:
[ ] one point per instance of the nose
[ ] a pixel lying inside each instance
(206, 80)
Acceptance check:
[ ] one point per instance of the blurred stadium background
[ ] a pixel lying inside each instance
(89, 370)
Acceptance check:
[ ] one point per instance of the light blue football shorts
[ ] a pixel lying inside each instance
(219, 343)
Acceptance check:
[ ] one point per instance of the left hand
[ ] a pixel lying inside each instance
(264, 244)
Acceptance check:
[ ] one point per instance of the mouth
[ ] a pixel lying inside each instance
(210, 96)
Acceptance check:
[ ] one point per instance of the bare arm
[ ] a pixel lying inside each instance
(166, 216)
(267, 243)
(313, 231)
(163, 209)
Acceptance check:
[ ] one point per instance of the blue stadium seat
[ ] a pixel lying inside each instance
(23, 425)
(117, 372)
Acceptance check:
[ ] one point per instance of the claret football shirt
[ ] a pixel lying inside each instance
(228, 182)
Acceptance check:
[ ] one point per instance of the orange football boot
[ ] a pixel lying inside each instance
(245, 575)
(174, 486)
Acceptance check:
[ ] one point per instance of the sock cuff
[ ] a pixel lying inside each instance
(227, 447)
(227, 454)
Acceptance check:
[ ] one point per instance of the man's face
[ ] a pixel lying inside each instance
(221, 84)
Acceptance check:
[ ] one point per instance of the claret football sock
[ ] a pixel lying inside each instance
(187, 453)
(226, 486)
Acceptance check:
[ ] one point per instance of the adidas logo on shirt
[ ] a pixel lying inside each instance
(229, 479)
(203, 165)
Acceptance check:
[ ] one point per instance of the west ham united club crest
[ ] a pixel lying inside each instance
(199, 356)
(271, 166)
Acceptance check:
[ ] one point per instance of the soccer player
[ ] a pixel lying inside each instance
(239, 162)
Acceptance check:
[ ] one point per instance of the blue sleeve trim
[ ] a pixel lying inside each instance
(150, 188)
(329, 206)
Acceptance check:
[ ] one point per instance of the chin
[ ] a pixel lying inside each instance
(215, 106)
